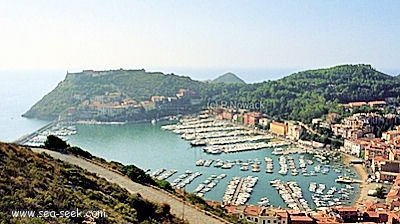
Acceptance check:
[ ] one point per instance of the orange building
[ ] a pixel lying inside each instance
(251, 118)
(278, 128)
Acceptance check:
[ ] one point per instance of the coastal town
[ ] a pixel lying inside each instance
(226, 130)
(200, 112)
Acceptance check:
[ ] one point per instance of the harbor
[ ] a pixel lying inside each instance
(218, 138)
(208, 175)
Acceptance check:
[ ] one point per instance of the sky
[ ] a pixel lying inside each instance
(182, 36)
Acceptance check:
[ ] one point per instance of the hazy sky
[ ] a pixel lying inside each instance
(96, 34)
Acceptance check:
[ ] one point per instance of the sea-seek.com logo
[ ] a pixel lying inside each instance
(76, 213)
(236, 105)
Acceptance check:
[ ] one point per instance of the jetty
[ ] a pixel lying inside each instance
(39, 136)
(26, 138)
(239, 190)
(291, 194)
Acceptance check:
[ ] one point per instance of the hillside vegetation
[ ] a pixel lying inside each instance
(30, 181)
(137, 85)
(300, 96)
(304, 95)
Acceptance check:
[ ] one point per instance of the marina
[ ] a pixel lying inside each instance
(215, 175)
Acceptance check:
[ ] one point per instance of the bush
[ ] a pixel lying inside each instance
(55, 143)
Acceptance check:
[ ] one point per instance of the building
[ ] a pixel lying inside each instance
(251, 118)
(348, 214)
(278, 128)
(357, 104)
(227, 115)
(355, 147)
(296, 217)
(325, 217)
(385, 169)
(376, 147)
(259, 215)
(155, 99)
(379, 103)
(294, 131)
(390, 135)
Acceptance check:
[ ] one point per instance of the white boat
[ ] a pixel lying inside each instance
(344, 179)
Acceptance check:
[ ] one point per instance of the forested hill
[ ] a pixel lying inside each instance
(81, 89)
(37, 182)
(308, 94)
(300, 96)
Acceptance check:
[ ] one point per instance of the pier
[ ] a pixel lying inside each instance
(26, 138)
(237, 191)
(295, 199)
(37, 138)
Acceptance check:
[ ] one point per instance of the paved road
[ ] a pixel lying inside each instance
(177, 207)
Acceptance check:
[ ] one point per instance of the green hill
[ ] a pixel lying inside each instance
(308, 94)
(87, 91)
(228, 78)
(36, 182)
(301, 96)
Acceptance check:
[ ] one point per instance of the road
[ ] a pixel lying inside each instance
(191, 214)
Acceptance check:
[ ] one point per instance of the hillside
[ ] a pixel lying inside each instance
(131, 95)
(36, 182)
(308, 94)
(228, 78)
(90, 93)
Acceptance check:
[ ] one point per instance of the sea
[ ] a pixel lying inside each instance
(145, 145)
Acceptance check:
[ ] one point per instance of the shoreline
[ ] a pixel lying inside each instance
(364, 186)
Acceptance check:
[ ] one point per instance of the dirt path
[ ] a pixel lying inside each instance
(177, 207)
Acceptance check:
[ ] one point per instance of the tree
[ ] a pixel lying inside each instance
(55, 143)
(380, 192)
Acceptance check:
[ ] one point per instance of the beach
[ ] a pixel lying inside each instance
(361, 170)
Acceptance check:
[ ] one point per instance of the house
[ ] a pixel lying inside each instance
(340, 129)
(251, 118)
(294, 131)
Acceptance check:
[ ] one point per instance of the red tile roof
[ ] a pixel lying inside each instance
(230, 208)
(252, 210)
(299, 218)
(372, 214)
(346, 209)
